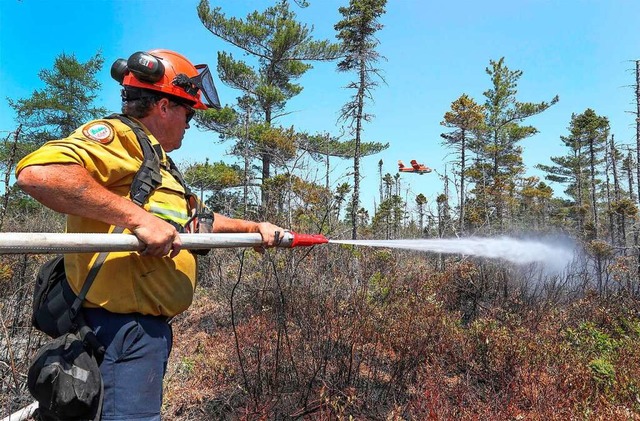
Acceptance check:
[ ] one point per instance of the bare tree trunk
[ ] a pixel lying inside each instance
(638, 127)
(496, 190)
(11, 160)
(594, 200)
(446, 202)
(266, 172)
(579, 189)
(462, 170)
(621, 222)
(608, 157)
(380, 171)
(326, 184)
(246, 167)
(356, 153)
(636, 236)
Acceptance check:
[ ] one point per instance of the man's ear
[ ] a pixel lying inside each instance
(163, 104)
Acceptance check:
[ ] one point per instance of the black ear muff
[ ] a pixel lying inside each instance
(145, 67)
(119, 69)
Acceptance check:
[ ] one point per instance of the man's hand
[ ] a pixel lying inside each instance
(268, 232)
(160, 237)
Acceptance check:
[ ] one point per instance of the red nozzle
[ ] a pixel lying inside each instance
(307, 239)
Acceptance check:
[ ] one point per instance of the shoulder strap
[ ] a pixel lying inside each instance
(148, 177)
(175, 172)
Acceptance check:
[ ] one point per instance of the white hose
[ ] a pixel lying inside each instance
(42, 242)
(22, 414)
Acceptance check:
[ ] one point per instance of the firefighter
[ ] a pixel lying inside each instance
(88, 176)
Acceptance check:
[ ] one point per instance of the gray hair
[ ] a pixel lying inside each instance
(137, 102)
(139, 108)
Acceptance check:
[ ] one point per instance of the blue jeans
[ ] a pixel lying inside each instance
(137, 350)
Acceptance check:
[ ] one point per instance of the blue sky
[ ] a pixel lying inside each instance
(581, 50)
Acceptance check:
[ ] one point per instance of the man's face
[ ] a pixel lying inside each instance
(176, 122)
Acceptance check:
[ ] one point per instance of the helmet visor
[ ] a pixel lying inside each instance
(204, 81)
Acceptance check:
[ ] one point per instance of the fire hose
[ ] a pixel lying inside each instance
(43, 243)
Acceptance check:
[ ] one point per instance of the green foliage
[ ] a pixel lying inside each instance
(357, 32)
(216, 176)
(65, 102)
(275, 141)
(591, 341)
(598, 248)
(305, 201)
(624, 207)
(466, 117)
(603, 372)
(588, 133)
(229, 203)
(224, 121)
(323, 145)
(379, 289)
(340, 196)
(187, 365)
(21, 203)
(389, 217)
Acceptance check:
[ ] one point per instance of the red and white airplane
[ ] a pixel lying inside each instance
(415, 167)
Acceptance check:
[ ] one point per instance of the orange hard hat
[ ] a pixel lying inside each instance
(170, 73)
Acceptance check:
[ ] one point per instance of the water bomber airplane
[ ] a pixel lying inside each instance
(414, 168)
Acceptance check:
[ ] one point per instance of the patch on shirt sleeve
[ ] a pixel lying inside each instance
(98, 131)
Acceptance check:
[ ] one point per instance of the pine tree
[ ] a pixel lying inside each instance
(320, 145)
(421, 200)
(579, 170)
(65, 102)
(283, 49)
(503, 131)
(357, 32)
(341, 192)
(593, 132)
(466, 117)
(388, 218)
(388, 185)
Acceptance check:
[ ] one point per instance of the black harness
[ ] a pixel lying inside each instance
(148, 177)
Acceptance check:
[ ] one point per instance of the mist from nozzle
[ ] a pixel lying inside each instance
(554, 255)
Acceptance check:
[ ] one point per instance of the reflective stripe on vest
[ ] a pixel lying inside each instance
(169, 213)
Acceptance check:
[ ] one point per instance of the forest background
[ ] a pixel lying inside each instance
(372, 334)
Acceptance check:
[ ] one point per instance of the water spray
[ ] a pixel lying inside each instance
(553, 255)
